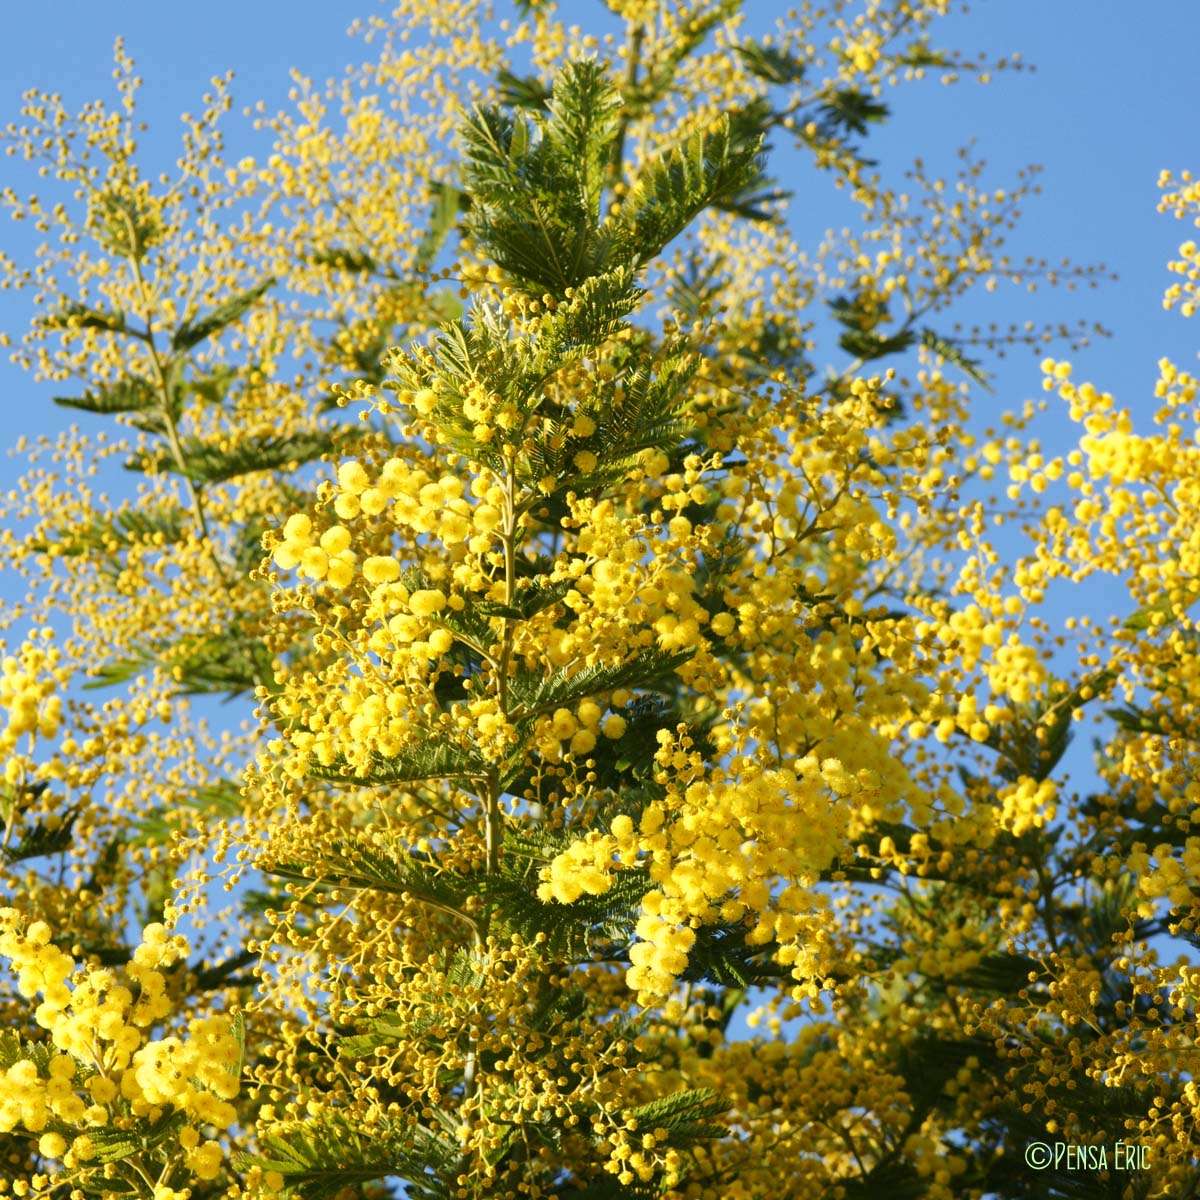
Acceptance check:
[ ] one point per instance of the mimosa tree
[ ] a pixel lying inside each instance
(651, 779)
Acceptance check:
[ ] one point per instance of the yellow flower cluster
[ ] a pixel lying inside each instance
(636, 589)
(1027, 804)
(417, 501)
(1136, 494)
(714, 847)
(329, 558)
(194, 1075)
(585, 866)
(1182, 198)
(784, 1088)
(1175, 876)
(863, 52)
(29, 699)
(106, 1068)
(1017, 671)
(412, 501)
(578, 730)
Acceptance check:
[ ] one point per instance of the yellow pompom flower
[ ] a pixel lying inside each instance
(298, 528)
(583, 742)
(353, 478)
(586, 866)
(426, 602)
(381, 569)
(440, 640)
(52, 1145)
(373, 501)
(613, 726)
(622, 827)
(340, 572)
(564, 723)
(722, 624)
(454, 528)
(332, 559)
(297, 538)
(335, 540)
(486, 518)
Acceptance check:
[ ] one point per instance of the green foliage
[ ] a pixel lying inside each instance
(522, 91)
(448, 203)
(210, 464)
(686, 1116)
(45, 836)
(425, 761)
(343, 258)
(215, 800)
(193, 332)
(107, 539)
(124, 396)
(576, 932)
(850, 111)
(1036, 741)
(540, 694)
(721, 955)
(672, 190)
(771, 63)
(951, 352)
(113, 1145)
(532, 597)
(73, 315)
(225, 664)
(861, 314)
(637, 411)
(13, 1049)
(322, 1157)
(870, 346)
(537, 185)
(368, 863)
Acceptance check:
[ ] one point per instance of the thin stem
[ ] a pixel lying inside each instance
(493, 817)
(160, 373)
(633, 53)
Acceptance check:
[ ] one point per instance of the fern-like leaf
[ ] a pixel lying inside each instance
(539, 693)
(193, 332)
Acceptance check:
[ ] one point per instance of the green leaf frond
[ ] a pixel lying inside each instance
(674, 188)
(45, 837)
(373, 865)
(537, 185)
(321, 1157)
(207, 463)
(193, 332)
(427, 760)
(124, 396)
(573, 932)
(537, 182)
(535, 693)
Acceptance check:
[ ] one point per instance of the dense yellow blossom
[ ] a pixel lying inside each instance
(1181, 198)
(105, 1066)
(655, 768)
